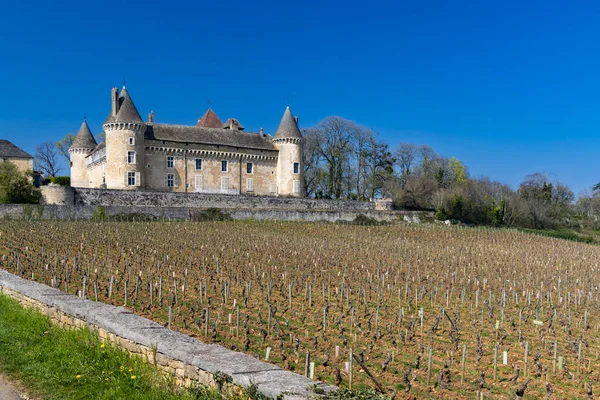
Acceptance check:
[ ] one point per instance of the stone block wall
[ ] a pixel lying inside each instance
(186, 359)
(99, 197)
(63, 195)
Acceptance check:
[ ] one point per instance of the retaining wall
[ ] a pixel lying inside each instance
(64, 212)
(131, 198)
(187, 359)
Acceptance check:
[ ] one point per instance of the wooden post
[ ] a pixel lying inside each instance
(429, 359)
(306, 364)
(170, 316)
(495, 360)
(206, 322)
(350, 371)
(526, 356)
(464, 361)
(554, 359)
(579, 358)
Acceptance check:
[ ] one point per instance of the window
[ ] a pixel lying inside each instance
(170, 180)
(296, 168)
(131, 178)
(249, 168)
(224, 166)
(198, 164)
(297, 186)
(250, 185)
(170, 162)
(272, 188)
(131, 141)
(224, 182)
(131, 157)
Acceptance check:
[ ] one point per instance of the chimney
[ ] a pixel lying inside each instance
(262, 132)
(232, 124)
(151, 117)
(115, 101)
(296, 119)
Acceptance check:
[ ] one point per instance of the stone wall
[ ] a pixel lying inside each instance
(186, 359)
(99, 197)
(57, 195)
(84, 212)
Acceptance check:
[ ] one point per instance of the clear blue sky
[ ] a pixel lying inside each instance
(510, 88)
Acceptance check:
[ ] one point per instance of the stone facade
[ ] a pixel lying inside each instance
(206, 158)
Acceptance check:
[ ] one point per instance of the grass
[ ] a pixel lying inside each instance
(56, 363)
(562, 234)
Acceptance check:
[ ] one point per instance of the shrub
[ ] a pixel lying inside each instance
(99, 214)
(61, 180)
(15, 187)
(210, 214)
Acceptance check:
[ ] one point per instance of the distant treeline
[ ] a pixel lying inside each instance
(344, 160)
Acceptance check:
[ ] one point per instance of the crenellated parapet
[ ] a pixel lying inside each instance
(124, 126)
(288, 140)
(80, 151)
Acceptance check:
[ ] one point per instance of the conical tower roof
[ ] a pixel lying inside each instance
(288, 128)
(209, 120)
(127, 111)
(84, 138)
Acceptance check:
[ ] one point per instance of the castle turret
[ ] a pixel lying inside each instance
(290, 166)
(82, 146)
(124, 144)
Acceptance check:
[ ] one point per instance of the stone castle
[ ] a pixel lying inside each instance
(210, 157)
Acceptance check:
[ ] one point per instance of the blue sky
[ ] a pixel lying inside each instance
(510, 88)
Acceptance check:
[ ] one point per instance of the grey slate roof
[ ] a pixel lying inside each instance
(232, 122)
(288, 128)
(9, 150)
(214, 136)
(127, 111)
(84, 138)
(98, 148)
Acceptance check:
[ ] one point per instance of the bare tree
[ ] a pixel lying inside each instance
(65, 144)
(406, 155)
(46, 157)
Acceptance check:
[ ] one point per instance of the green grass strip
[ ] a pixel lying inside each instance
(57, 363)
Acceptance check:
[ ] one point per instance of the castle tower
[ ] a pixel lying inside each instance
(83, 145)
(124, 144)
(290, 165)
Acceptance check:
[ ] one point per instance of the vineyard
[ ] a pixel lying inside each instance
(412, 311)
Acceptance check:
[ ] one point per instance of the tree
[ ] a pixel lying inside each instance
(65, 144)
(46, 157)
(406, 156)
(15, 187)
(548, 203)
